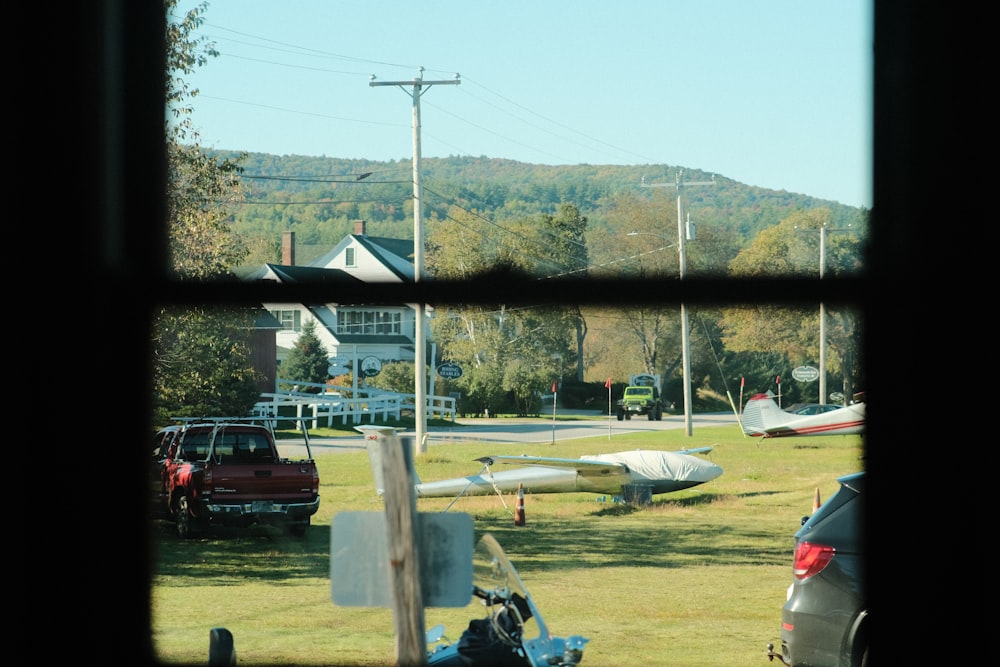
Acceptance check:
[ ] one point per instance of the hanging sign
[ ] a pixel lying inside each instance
(371, 366)
(805, 373)
(449, 370)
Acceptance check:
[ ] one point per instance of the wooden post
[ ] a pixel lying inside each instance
(404, 564)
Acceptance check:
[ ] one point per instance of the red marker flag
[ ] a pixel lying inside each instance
(742, 379)
(554, 387)
(607, 385)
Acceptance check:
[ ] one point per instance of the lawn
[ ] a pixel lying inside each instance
(696, 578)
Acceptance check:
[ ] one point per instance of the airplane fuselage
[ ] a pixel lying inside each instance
(763, 418)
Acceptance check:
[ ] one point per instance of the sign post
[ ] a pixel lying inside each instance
(555, 388)
(607, 385)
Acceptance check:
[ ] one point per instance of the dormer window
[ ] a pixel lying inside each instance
(349, 257)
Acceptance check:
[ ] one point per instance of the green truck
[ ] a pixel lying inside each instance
(642, 397)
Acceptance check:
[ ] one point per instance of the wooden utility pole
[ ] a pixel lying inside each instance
(684, 232)
(418, 87)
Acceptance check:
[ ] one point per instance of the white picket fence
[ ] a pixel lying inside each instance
(338, 403)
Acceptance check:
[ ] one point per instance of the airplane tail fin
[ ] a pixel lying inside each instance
(762, 413)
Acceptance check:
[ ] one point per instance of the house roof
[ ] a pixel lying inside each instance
(265, 320)
(393, 255)
(389, 250)
(347, 339)
(314, 274)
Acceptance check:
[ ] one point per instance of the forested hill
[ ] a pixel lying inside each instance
(319, 197)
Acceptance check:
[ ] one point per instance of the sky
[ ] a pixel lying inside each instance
(773, 93)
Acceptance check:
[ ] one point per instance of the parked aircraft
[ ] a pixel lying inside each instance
(763, 418)
(662, 472)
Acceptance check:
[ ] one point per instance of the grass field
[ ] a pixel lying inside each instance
(697, 578)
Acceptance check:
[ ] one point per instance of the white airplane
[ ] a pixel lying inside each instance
(762, 417)
(663, 472)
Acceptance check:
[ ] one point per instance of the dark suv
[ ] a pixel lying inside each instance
(824, 622)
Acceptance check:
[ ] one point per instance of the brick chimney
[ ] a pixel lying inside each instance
(359, 227)
(288, 248)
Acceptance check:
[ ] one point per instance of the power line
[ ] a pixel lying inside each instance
(294, 49)
(357, 180)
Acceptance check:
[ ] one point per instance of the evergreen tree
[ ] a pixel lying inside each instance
(308, 361)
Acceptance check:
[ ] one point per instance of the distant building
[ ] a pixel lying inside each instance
(350, 331)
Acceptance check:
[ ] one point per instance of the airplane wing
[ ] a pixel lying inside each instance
(601, 465)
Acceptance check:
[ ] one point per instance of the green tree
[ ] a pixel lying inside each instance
(201, 189)
(202, 362)
(638, 242)
(307, 361)
(791, 248)
(565, 239)
(508, 354)
(395, 376)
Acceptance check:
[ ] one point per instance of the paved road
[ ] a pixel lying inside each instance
(518, 430)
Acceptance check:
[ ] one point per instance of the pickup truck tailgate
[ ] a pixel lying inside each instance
(279, 482)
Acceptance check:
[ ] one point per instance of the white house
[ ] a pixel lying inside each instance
(351, 332)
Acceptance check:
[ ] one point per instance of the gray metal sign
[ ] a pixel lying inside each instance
(359, 560)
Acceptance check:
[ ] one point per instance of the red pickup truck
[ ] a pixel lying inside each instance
(208, 473)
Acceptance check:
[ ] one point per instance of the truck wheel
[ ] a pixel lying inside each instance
(187, 525)
(651, 415)
(628, 415)
(299, 528)
(621, 414)
(659, 414)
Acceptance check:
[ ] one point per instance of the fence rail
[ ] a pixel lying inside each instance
(335, 402)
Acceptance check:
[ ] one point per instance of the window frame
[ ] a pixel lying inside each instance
(116, 84)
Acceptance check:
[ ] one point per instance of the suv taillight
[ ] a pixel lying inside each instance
(810, 559)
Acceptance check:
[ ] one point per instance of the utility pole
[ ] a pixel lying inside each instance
(684, 232)
(822, 307)
(822, 318)
(415, 88)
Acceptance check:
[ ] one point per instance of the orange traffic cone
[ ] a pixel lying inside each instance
(816, 502)
(519, 508)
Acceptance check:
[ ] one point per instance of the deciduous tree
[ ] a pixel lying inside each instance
(791, 248)
(202, 358)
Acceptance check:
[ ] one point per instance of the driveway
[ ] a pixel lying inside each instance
(505, 430)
